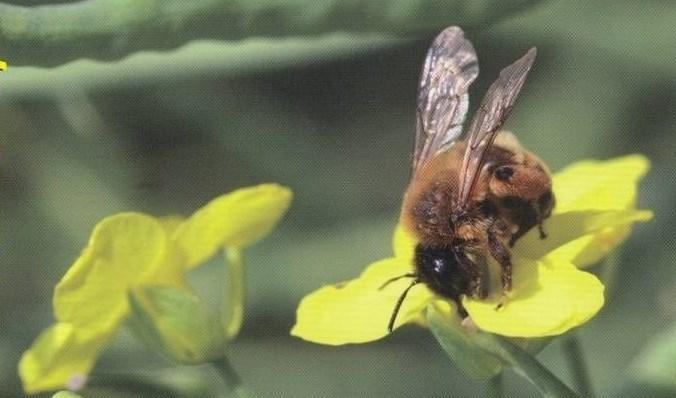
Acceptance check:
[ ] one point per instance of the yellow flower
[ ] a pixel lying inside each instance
(128, 250)
(550, 295)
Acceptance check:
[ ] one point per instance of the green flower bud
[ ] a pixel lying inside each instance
(176, 323)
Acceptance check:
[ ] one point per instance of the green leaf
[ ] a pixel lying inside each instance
(112, 29)
(206, 58)
(460, 347)
(175, 323)
(656, 365)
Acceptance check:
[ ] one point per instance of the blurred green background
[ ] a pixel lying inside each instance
(108, 111)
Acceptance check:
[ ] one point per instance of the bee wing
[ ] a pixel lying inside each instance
(450, 67)
(489, 118)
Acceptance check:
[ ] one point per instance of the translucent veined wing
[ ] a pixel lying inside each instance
(489, 118)
(450, 67)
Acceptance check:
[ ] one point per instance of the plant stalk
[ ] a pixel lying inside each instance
(233, 302)
(577, 365)
(232, 379)
(609, 272)
(495, 387)
(525, 365)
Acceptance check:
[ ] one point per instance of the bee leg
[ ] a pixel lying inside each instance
(541, 229)
(519, 233)
(502, 255)
(478, 286)
(461, 308)
(533, 217)
(540, 219)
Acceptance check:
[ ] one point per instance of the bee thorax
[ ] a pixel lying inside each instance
(431, 215)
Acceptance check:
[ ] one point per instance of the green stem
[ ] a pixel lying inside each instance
(526, 365)
(577, 365)
(609, 272)
(233, 305)
(130, 384)
(232, 379)
(495, 387)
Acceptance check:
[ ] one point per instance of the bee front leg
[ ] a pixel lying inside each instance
(516, 235)
(502, 255)
(543, 209)
(541, 229)
(531, 217)
(540, 219)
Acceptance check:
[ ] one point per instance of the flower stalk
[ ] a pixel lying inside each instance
(234, 294)
(232, 380)
(578, 368)
(525, 365)
(608, 273)
(495, 387)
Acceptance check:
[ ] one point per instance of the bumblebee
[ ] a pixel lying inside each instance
(468, 200)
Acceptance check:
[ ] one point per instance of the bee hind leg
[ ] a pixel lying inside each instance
(479, 281)
(502, 255)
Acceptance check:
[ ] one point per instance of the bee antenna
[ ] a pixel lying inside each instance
(397, 306)
(396, 278)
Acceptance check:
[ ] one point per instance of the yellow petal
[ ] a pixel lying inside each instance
(581, 237)
(357, 311)
(238, 219)
(60, 358)
(171, 222)
(122, 250)
(547, 299)
(590, 249)
(599, 185)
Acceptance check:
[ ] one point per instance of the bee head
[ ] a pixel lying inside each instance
(522, 181)
(440, 268)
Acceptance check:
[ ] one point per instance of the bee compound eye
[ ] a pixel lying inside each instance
(439, 265)
(504, 173)
(434, 262)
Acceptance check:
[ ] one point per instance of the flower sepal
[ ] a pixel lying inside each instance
(175, 323)
(458, 342)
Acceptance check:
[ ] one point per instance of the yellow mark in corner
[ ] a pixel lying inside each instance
(3, 65)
